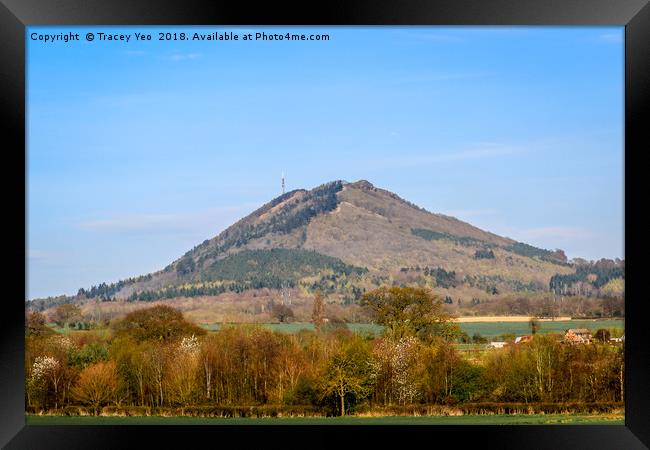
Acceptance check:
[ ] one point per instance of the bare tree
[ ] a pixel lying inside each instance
(318, 311)
(285, 293)
(97, 384)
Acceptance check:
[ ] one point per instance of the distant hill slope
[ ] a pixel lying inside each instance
(352, 235)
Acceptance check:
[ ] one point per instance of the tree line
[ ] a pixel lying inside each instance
(443, 278)
(520, 248)
(154, 357)
(603, 278)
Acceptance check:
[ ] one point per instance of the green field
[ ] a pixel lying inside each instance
(495, 329)
(485, 329)
(536, 419)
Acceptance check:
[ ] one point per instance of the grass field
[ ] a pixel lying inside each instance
(537, 419)
(491, 329)
(502, 318)
(494, 329)
(486, 329)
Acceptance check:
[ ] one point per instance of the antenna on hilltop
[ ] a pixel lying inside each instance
(282, 183)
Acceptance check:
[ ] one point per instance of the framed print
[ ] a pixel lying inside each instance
(351, 221)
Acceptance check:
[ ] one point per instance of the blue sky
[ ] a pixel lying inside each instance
(138, 151)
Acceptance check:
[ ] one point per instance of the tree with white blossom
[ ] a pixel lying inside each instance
(46, 372)
(183, 371)
(396, 364)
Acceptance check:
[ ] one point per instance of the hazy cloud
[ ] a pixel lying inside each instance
(481, 152)
(37, 255)
(182, 56)
(460, 213)
(611, 38)
(46, 258)
(121, 100)
(198, 221)
(489, 152)
(547, 237)
(575, 241)
(432, 77)
(556, 233)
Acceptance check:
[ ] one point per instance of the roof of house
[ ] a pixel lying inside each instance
(579, 331)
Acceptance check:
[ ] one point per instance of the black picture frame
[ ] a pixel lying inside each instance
(15, 15)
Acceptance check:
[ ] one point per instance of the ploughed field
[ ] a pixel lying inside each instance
(511, 419)
(491, 329)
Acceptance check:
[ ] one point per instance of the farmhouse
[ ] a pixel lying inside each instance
(523, 339)
(496, 344)
(578, 336)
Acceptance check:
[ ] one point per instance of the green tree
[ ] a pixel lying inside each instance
(349, 372)
(162, 323)
(131, 364)
(439, 364)
(511, 373)
(478, 339)
(408, 311)
(90, 353)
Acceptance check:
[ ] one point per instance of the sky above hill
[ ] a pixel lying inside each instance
(137, 151)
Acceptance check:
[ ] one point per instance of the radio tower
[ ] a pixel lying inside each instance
(282, 183)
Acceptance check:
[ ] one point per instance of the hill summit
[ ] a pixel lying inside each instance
(343, 238)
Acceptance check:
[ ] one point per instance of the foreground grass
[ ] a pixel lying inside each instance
(513, 419)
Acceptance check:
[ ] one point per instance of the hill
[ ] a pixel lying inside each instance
(345, 238)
